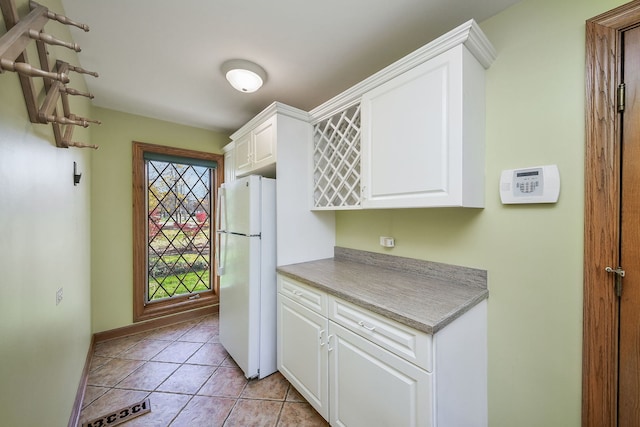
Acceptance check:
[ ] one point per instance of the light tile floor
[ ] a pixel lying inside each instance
(190, 381)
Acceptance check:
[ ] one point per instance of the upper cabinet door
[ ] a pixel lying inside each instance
(264, 144)
(423, 136)
(256, 151)
(229, 162)
(243, 154)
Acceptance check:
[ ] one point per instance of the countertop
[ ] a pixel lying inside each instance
(421, 294)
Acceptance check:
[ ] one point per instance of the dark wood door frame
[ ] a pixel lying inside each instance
(602, 213)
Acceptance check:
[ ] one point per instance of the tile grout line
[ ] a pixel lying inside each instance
(153, 335)
(181, 365)
(146, 360)
(201, 386)
(196, 392)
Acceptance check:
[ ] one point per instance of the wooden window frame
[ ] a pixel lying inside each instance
(602, 211)
(177, 304)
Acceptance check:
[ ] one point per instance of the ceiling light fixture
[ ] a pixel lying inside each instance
(244, 75)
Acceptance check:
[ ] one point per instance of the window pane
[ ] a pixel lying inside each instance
(179, 229)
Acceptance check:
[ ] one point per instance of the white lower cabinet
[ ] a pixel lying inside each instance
(354, 367)
(302, 354)
(370, 386)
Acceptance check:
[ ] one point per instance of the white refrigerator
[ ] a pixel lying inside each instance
(246, 232)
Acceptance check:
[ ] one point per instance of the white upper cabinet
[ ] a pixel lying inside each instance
(264, 144)
(229, 162)
(422, 129)
(256, 151)
(423, 136)
(277, 143)
(242, 155)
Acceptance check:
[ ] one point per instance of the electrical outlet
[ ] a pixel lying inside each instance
(387, 242)
(59, 296)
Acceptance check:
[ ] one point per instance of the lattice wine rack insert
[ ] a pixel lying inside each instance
(336, 158)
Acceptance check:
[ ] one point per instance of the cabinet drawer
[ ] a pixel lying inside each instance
(307, 296)
(408, 343)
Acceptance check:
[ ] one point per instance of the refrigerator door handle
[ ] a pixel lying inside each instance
(219, 228)
(219, 254)
(222, 204)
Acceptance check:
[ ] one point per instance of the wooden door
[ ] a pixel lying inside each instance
(629, 346)
(611, 326)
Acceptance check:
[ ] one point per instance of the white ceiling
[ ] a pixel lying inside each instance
(161, 58)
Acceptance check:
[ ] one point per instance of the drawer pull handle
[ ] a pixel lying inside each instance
(296, 293)
(367, 327)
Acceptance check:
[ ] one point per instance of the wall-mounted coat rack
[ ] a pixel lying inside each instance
(13, 57)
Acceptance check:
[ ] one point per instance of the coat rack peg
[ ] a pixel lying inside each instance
(82, 145)
(60, 18)
(84, 119)
(66, 121)
(28, 70)
(49, 39)
(71, 91)
(82, 70)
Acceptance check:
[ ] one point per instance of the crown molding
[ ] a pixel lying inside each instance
(273, 108)
(469, 34)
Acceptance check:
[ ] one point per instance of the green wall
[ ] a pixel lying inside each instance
(111, 202)
(54, 234)
(44, 245)
(533, 253)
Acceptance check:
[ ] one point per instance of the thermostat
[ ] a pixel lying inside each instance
(539, 184)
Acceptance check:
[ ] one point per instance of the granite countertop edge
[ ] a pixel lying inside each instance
(455, 289)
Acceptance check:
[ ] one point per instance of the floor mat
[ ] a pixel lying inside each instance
(121, 415)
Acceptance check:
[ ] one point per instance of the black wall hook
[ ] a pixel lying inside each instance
(76, 175)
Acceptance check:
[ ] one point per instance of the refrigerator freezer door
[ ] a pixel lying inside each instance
(241, 207)
(240, 301)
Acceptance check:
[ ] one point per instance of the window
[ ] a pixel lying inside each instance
(174, 194)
